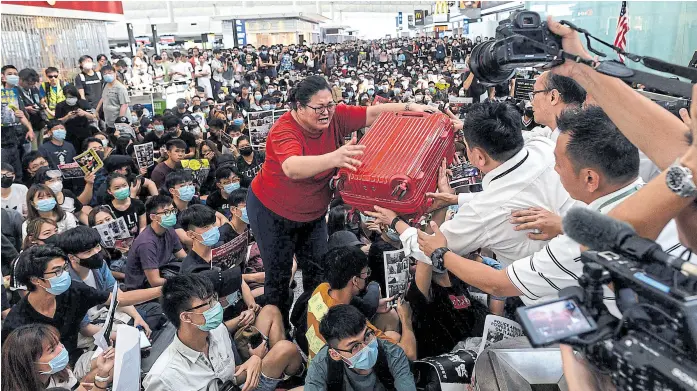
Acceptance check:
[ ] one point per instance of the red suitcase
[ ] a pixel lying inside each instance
(400, 163)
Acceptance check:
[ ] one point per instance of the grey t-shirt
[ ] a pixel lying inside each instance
(397, 361)
(114, 96)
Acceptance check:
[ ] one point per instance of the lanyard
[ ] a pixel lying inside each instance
(619, 197)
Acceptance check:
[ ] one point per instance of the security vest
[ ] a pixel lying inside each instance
(53, 98)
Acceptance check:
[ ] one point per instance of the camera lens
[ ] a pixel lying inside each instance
(485, 66)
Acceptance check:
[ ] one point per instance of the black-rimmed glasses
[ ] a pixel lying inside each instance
(357, 346)
(319, 110)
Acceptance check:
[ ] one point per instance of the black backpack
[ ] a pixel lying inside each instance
(335, 372)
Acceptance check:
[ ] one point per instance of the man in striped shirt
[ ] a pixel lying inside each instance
(598, 166)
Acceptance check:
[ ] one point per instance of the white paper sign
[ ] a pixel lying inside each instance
(127, 360)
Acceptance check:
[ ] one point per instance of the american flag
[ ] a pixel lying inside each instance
(622, 28)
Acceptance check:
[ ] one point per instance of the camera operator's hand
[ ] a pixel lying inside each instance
(545, 224)
(579, 376)
(571, 43)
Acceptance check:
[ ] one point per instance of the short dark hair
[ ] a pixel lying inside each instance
(30, 157)
(52, 123)
(88, 140)
(7, 167)
(29, 75)
(242, 138)
(595, 142)
(302, 93)
(237, 197)
(156, 202)
(177, 177)
(197, 216)
(496, 128)
(216, 123)
(175, 143)
(107, 68)
(343, 263)
(33, 261)
(78, 239)
(178, 292)
(71, 90)
(83, 58)
(6, 67)
(50, 70)
(171, 121)
(340, 322)
(569, 90)
(224, 173)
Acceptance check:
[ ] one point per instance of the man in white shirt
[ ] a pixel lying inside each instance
(181, 69)
(218, 67)
(14, 195)
(550, 96)
(202, 351)
(598, 166)
(203, 76)
(517, 176)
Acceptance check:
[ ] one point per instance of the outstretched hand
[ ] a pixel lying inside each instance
(344, 157)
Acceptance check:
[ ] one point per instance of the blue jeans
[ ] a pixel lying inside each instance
(279, 239)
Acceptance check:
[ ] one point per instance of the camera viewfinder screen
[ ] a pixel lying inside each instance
(558, 320)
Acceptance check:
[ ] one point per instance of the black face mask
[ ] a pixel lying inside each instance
(51, 239)
(94, 262)
(529, 112)
(7, 182)
(246, 151)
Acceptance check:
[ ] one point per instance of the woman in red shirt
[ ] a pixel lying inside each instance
(290, 195)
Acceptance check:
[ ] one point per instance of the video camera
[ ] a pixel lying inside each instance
(525, 40)
(654, 345)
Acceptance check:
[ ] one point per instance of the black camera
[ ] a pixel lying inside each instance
(654, 344)
(522, 40)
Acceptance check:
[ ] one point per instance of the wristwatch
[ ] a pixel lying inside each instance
(680, 180)
(437, 259)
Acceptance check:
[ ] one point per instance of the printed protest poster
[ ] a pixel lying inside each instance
(232, 253)
(456, 101)
(259, 123)
(89, 161)
(465, 174)
(452, 371)
(199, 168)
(145, 154)
(497, 328)
(226, 139)
(71, 170)
(396, 272)
(113, 231)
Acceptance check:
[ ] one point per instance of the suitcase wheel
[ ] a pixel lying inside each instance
(400, 191)
(336, 183)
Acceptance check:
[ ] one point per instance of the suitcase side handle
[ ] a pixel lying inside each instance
(412, 114)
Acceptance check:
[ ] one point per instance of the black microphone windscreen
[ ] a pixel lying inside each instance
(593, 229)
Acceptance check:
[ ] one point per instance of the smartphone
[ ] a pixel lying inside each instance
(555, 321)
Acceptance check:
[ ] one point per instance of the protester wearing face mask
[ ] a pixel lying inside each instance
(115, 97)
(14, 195)
(174, 129)
(64, 197)
(227, 181)
(41, 202)
(132, 210)
(249, 162)
(74, 113)
(352, 349)
(88, 82)
(37, 349)
(55, 149)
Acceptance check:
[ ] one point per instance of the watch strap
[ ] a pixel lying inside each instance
(394, 222)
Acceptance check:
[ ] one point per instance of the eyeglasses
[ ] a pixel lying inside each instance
(357, 346)
(58, 272)
(531, 94)
(212, 301)
(167, 212)
(319, 110)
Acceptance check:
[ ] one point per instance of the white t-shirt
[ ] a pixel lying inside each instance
(17, 199)
(181, 67)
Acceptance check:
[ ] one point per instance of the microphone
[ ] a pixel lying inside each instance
(600, 232)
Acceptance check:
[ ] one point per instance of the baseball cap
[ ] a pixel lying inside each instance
(343, 239)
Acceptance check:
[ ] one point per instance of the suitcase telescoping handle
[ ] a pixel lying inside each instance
(412, 114)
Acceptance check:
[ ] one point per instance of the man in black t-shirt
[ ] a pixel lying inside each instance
(157, 136)
(43, 269)
(174, 129)
(226, 181)
(88, 82)
(443, 311)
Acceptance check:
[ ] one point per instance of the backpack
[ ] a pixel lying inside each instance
(335, 372)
